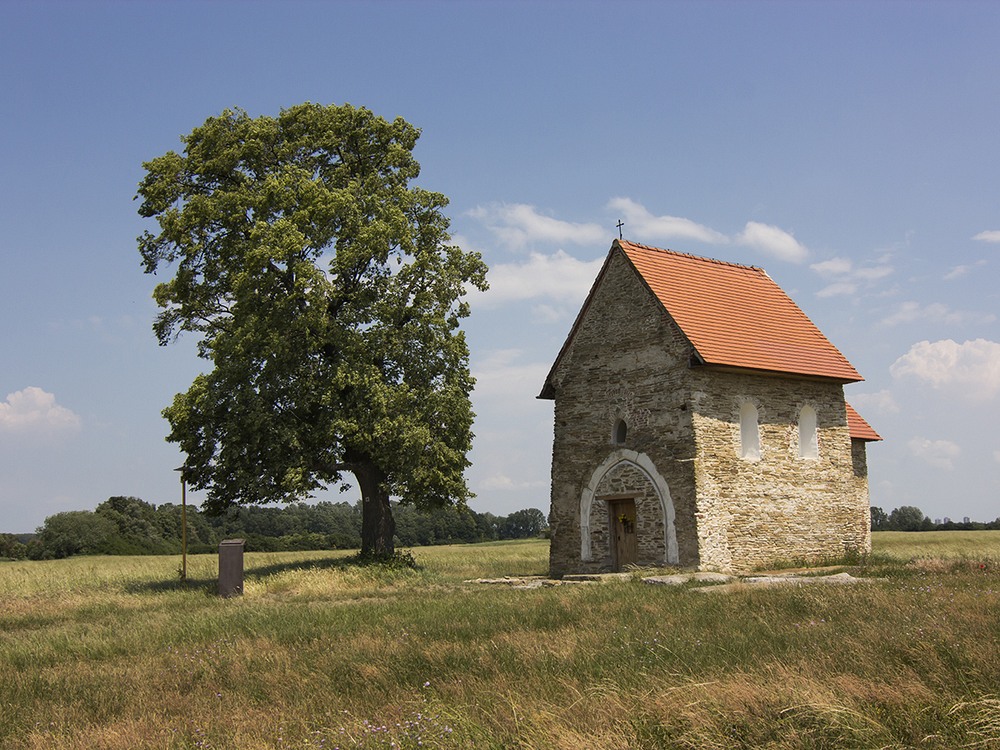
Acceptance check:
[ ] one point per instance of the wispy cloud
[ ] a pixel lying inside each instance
(645, 227)
(963, 270)
(882, 402)
(557, 277)
(846, 279)
(973, 367)
(938, 453)
(773, 241)
(33, 409)
(838, 289)
(502, 482)
(503, 377)
(991, 235)
(833, 267)
(909, 312)
(518, 224)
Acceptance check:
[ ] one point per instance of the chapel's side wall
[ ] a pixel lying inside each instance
(780, 507)
(622, 337)
(859, 457)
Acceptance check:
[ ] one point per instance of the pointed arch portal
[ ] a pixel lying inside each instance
(643, 463)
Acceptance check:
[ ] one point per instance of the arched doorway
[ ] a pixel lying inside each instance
(627, 514)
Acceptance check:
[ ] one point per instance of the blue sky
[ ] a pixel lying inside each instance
(848, 148)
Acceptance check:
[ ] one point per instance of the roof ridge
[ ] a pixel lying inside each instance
(691, 256)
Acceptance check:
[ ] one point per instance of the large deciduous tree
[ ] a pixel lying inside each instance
(325, 291)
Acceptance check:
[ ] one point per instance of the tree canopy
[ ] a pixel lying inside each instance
(326, 293)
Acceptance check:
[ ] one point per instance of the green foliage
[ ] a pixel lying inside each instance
(908, 518)
(523, 524)
(141, 528)
(12, 548)
(77, 532)
(324, 291)
(880, 521)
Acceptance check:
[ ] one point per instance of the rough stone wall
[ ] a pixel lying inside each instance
(626, 479)
(780, 507)
(644, 382)
(629, 361)
(859, 460)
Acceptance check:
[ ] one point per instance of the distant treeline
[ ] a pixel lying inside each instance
(909, 518)
(130, 526)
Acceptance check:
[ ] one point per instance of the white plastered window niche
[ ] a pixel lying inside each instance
(749, 448)
(808, 434)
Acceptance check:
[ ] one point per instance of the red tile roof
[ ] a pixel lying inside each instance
(736, 316)
(859, 428)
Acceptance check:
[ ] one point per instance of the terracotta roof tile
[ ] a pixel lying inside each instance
(736, 316)
(859, 428)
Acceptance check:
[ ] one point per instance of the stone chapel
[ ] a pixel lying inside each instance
(700, 421)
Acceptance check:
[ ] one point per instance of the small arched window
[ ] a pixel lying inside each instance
(808, 440)
(621, 432)
(749, 432)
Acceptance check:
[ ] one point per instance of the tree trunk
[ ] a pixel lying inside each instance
(377, 524)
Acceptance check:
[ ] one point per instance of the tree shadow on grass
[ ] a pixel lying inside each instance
(399, 560)
(210, 586)
(259, 572)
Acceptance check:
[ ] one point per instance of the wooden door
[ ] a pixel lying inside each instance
(625, 550)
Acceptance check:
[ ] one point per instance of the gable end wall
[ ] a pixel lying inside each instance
(628, 361)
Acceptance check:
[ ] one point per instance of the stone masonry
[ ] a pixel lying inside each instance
(698, 502)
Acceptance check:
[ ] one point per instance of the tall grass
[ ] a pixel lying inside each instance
(116, 653)
(906, 545)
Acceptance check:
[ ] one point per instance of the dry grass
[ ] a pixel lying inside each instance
(114, 653)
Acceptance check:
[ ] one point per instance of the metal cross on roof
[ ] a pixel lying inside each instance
(620, 225)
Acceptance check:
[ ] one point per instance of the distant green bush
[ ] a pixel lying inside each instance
(130, 526)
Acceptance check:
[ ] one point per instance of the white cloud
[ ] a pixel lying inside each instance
(880, 401)
(959, 271)
(838, 289)
(833, 267)
(973, 366)
(559, 277)
(502, 376)
(773, 241)
(518, 224)
(846, 280)
(502, 482)
(992, 235)
(645, 227)
(938, 453)
(909, 312)
(35, 409)
(873, 273)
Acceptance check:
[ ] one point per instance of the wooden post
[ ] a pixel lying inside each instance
(184, 537)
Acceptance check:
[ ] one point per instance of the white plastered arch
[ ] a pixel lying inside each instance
(644, 464)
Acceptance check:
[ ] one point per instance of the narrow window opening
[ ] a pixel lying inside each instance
(808, 439)
(749, 432)
(621, 431)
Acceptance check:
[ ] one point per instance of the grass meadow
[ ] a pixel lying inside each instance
(115, 653)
